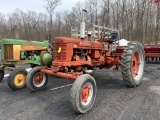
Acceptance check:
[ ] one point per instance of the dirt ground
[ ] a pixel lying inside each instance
(114, 100)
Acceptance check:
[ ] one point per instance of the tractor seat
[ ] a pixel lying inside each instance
(113, 37)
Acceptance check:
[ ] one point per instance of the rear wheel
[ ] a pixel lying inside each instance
(36, 80)
(17, 79)
(1, 74)
(83, 93)
(132, 64)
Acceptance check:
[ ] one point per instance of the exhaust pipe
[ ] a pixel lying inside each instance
(82, 25)
(17, 34)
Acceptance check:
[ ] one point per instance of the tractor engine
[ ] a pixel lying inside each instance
(69, 54)
(75, 54)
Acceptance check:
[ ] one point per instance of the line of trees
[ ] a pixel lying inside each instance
(135, 19)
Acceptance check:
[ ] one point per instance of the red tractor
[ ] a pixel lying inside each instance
(78, 59)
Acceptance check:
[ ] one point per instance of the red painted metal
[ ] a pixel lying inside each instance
(150, 50)
(71, 55)
(135, 64)
(152, 54)
(61, 74)
(72, 63)
(119, 49)
(38, 79)
(85, 93)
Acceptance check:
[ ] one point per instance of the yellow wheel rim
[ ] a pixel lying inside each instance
(20, 79)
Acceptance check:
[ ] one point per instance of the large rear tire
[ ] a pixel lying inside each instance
(17, 79)
(132, 64)
(83, 93)
(35, 80)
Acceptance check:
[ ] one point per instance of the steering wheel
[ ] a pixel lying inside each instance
(49, 37)
(105, 34)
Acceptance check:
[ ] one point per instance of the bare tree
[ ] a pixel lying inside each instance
(135, 20)
(50, 7)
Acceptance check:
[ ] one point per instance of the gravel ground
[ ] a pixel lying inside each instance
(114, 100)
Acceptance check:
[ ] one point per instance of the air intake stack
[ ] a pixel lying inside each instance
(82, 25)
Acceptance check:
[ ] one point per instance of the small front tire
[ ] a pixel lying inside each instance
(17, 79)
(36, 80)
(83, 93)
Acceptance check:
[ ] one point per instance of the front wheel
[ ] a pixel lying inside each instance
(83, 93)
(36, 80)
(17, 79)
(132, 64)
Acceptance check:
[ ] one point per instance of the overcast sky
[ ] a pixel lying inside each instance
(7, 6)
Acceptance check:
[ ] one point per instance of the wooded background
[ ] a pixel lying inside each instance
(135, 19)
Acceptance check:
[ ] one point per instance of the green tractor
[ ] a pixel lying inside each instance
(15, 53)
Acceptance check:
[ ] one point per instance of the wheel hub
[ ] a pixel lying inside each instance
(38, 79)
(19, 79)
(85, 93)
(135, 64)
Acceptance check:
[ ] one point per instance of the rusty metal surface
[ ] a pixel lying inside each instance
(65, 56)
(61, 55)
(29, 48)
(72, 63)
(8, 50)
(60, 74)
(16, 52)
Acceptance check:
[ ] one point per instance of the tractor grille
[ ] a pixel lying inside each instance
(62, 54)
(8, 52)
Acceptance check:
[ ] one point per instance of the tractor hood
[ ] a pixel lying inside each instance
(78, 43)
(25, 42)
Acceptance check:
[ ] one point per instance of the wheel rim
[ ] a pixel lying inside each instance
(39, 80)
(137, 64)
(86, 94)
(20, 79)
